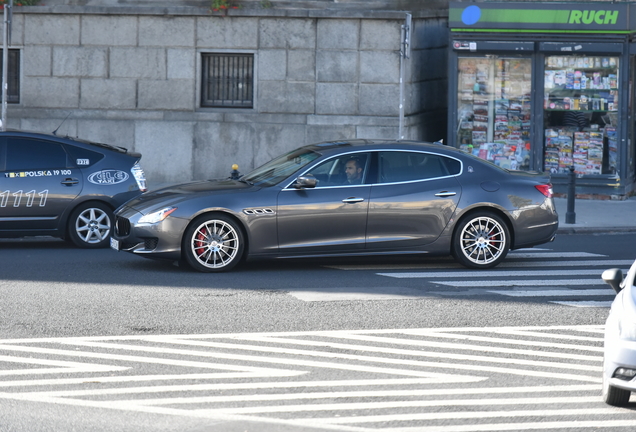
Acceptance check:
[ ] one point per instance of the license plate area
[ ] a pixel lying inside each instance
(114, 244)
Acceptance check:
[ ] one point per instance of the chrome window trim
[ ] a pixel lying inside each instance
(461, 169)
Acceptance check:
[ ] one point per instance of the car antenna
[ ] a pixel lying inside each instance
(67, 116)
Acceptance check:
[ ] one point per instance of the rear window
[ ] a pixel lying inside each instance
(83, 157)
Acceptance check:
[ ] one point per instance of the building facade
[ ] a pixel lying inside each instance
(196, 90)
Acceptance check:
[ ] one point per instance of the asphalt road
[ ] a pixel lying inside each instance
(100, 340)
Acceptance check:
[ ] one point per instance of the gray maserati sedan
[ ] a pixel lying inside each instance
(347, 198)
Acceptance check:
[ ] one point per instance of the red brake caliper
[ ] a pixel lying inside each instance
(199, 246)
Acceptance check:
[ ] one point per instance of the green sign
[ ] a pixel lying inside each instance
(540, 17)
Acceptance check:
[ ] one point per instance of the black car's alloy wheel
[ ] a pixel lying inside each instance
(481, 241)
(90, 225)
(213, 243)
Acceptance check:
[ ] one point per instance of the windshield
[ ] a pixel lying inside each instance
(276, 170)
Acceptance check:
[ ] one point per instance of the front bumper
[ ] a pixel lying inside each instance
(161, 240)
(619, 353)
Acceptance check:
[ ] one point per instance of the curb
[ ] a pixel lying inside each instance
(594, 230)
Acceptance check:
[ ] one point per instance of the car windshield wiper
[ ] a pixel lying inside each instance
(242, 180)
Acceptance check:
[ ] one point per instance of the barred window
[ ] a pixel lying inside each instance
(13, 76)
(227, 80)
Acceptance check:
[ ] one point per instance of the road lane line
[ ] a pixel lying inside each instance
(214, 415)
(358, 394)
(572, 424)
(599, 304)
(256, 371)
(470, 347)
(404, 352)
(62, 366)
(555, 293)
(607, 263)
(447, 334)
(550, 335)
(487, 274)
(530, 255)
(516, 282)
(342, 406)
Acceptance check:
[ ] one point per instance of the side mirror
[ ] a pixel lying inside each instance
(305, 181)
(613, 277)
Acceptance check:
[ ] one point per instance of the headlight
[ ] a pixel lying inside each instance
(627, 330)
(158, 216)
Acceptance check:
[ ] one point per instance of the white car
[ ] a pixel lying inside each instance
(619, 358)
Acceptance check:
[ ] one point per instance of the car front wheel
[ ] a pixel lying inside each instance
(482, 240)
(213, 243)
(90, 225)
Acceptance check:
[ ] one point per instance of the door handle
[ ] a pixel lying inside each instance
(69, 182)
(445, 194)
(352, 200)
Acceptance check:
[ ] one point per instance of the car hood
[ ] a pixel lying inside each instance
(174, 194)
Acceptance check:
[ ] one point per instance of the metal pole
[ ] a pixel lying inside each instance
(5, 65)
(570, 215)
(404, 54)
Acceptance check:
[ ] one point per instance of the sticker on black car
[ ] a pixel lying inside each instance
(108, 177)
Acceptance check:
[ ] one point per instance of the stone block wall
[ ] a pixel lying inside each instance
(131, 77)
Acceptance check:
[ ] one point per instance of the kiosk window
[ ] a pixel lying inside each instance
(494, 108)
(581, 106)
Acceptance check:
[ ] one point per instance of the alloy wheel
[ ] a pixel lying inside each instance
(215, 244)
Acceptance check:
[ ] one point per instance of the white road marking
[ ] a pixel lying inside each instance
(247, 371)
(62, 366)
(530, 255)
(396, 347)
(448, 333)
(490, 274)
(466, 346)
(518, 282)
(583, 263)
(343, 406)
(555, 293)
(572, 424)
(369, 394)
(599, 304)
(353, 294)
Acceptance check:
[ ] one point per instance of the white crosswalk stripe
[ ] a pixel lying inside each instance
(564, 286)
(397, 380)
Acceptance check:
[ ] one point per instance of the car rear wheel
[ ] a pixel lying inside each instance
(481, 241)
(213, 243)
(614, 396)
(90, 225)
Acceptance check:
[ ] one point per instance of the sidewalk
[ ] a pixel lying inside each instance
(592, 216)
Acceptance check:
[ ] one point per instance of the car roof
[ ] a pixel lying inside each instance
(64, 139)
(332, 147)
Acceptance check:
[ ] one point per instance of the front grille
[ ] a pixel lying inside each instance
(150, 243)
(122, 226)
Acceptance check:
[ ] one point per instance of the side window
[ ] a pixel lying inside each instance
(453, 166)
(349, 169)
(404, 166)
(28, 154)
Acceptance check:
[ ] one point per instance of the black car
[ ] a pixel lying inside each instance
(350, 198)
(64, 187)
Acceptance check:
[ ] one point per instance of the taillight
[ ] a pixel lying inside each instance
(545, 189)
(139, 175)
